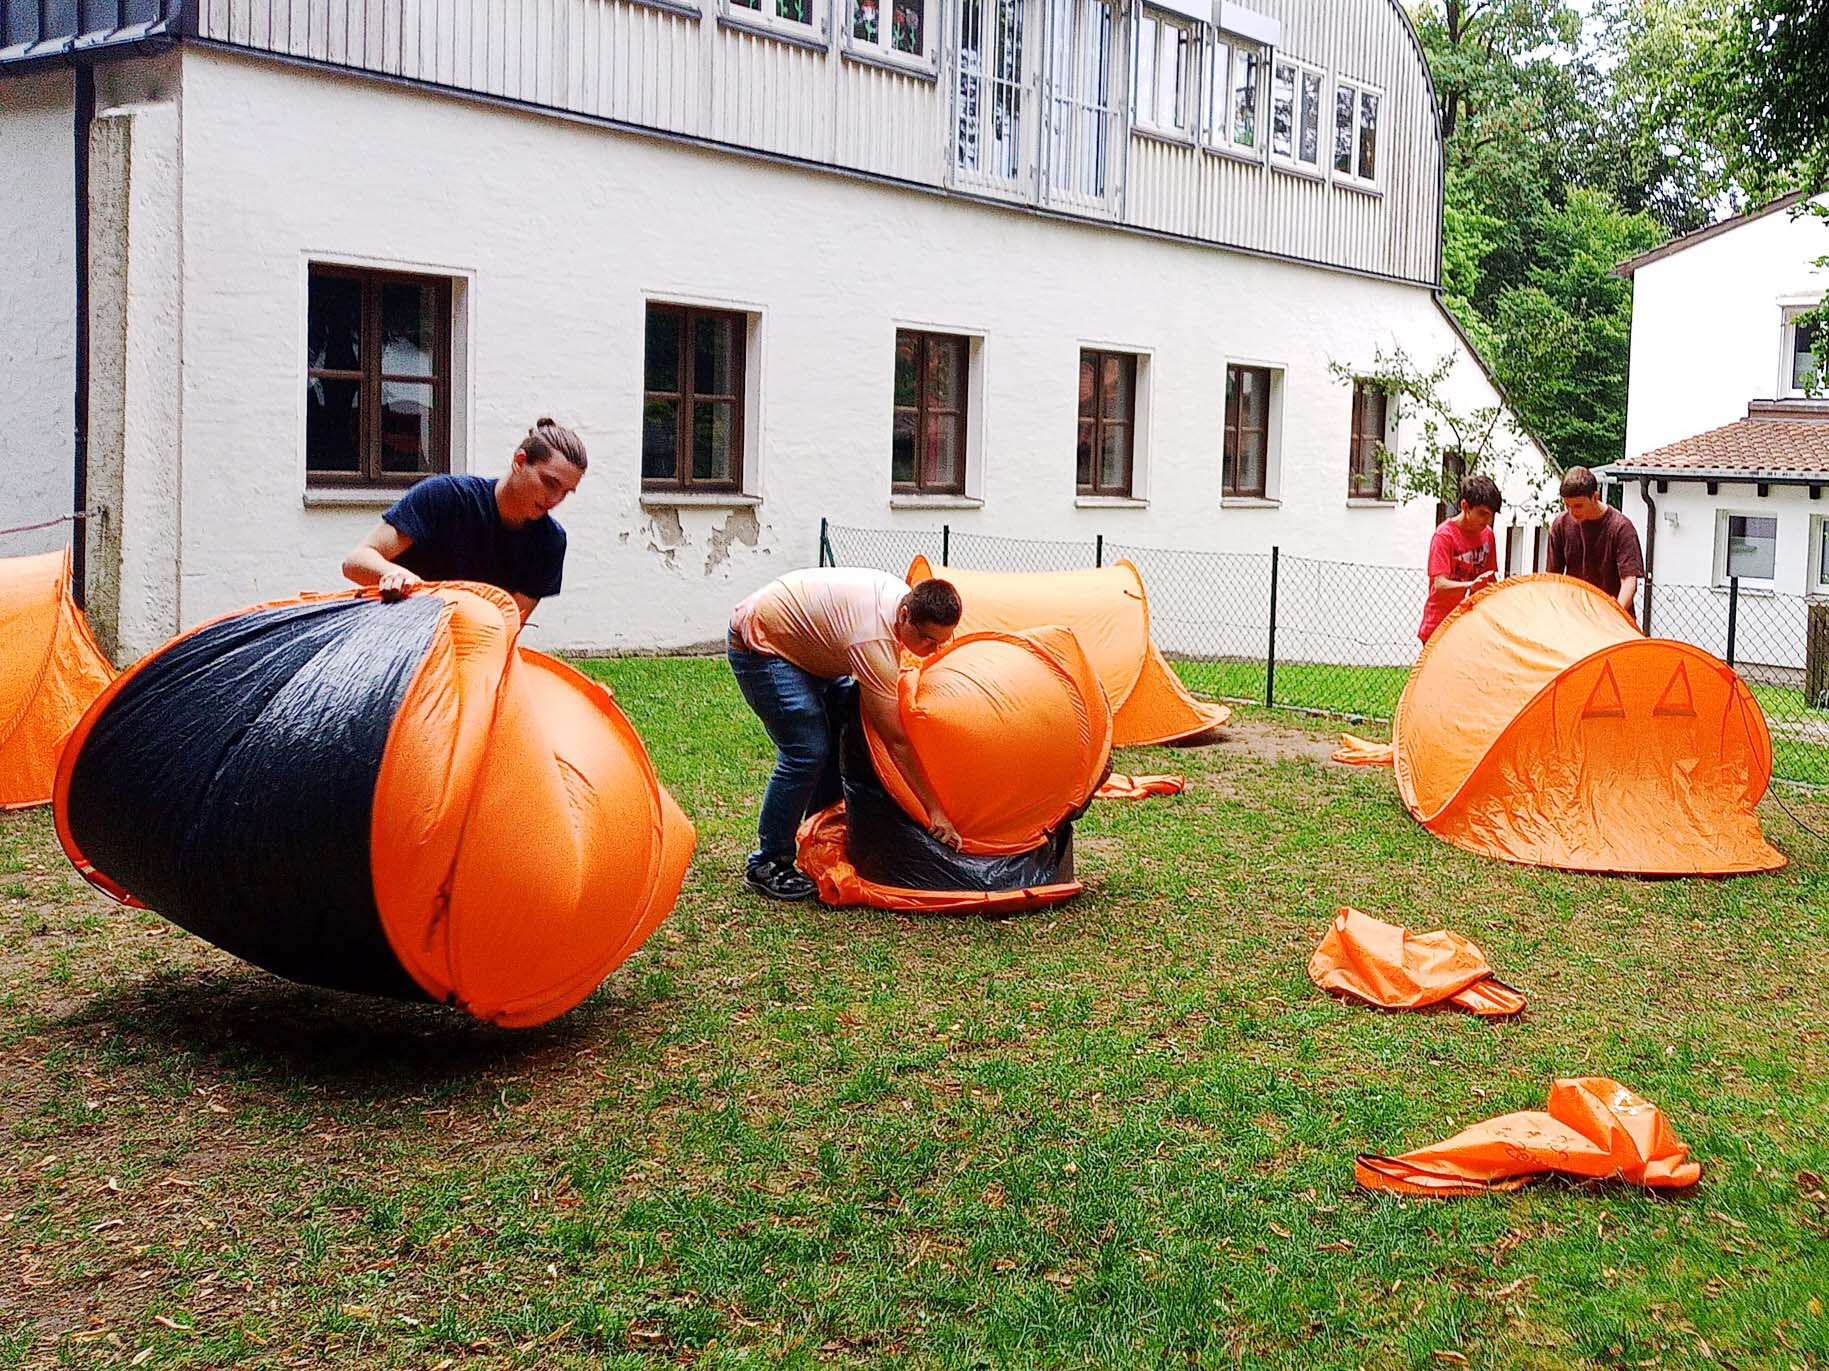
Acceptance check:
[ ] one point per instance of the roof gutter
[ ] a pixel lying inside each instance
(1695, 475)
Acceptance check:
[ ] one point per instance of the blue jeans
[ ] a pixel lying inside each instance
(792, 706)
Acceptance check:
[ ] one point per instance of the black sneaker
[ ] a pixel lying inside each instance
(780, 881)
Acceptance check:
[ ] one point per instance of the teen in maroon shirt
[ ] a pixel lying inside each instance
(1463, 555)
(1594, 542)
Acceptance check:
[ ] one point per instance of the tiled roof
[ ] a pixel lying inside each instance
(1772, 441)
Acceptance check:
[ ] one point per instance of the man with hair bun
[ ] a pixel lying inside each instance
(1463, 555)
(789, 642)
(1594, 542)
(471, 528)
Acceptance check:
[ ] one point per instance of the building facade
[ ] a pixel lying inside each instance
(1727, 426)
(1036, 268)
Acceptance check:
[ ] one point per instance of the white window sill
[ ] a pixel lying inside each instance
(1296, 169)
(1248, 502)
(1248, 156)
(684, 11)
(353, 497)
(935, 502)
(1346, 182)
(901, 64)
(1109, 502)
(797, 35)
(698, 499)
(1367, 502)
(1173, 138)
(1760, 590)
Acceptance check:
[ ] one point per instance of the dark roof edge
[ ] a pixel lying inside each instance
(1719, 476)
(1689, 240)
(1491, 380)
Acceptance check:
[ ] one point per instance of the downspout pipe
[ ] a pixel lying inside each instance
(1651, 544)
(79, 537)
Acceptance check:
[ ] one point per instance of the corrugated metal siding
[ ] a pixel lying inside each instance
(689, 73)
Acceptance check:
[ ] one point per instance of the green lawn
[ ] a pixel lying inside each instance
(1800, 734)
(1119, 1133)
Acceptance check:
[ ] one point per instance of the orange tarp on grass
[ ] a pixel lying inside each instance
(1108, 611)
(1388, 966)
(1540, 726)
(1595, 1129)
(51, 670)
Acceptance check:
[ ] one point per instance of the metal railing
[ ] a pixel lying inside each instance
(1339, 638)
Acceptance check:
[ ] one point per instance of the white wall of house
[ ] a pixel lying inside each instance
(558, 235)
(37, 307)
(1708, 325)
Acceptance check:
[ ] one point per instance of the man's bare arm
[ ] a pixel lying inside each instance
(886, 720)
(371, 561)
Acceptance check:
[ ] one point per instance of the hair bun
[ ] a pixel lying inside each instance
(545, 421)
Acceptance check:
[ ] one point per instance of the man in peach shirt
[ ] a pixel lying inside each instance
(788, 643)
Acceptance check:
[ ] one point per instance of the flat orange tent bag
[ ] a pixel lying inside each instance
(51, 670)
(1595, 1129)
(1388, 966)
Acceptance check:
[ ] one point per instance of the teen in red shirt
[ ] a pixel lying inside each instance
(1463, 555)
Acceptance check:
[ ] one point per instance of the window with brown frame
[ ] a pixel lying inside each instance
(692, 407)
(1246, 461)
(1365, 461)
(927, 446)
(1454, 467)
(377, 377)
(1108, 423)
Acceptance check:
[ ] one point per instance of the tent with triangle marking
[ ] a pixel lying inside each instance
(1540, 726)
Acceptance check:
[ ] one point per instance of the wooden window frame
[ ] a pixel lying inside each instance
(1102, 423)
(1234, 435)
(688, 395)
(1454, 464)
(923, 408)
(1358, 461)
(370, 375)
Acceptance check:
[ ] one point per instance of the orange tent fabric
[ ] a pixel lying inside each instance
(1539, 726)
(1013, 732)
(825, 856)
(1119, 786)
(395, 799)
(1595, 1129)
(1363, 752)
(51, 670)
(1388, 966)
(1108, 611)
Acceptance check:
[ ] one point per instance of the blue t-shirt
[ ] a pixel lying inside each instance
(458, 535)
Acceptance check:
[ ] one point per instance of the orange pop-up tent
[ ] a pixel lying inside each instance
(1539, 726)
(394, 799)
(1014, 735)
(50, 671)
(1108, 611)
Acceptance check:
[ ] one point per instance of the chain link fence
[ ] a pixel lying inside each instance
(1339, 638)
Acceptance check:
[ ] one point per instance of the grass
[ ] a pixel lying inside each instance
(1371, 692)
(1117, 1134)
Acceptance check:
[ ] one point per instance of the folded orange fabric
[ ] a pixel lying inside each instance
(1595, 1129)
(1389, 966)
(1118, 786)
(1364, 752)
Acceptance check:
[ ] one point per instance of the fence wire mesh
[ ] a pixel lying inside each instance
(1339, 638)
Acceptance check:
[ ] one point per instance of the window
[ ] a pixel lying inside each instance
(927, 449)
(1746, 546)
(1454, 467)
(890, 28)
(1165, 74)
(377, 377)
(1356, 132)
(1295, 114)
(1365, 463)
(792, 16)
(993, 110)
(1084, 94)
(692, 411)
(1108, 422)
(1803, 355)
(1819, 556)
(1247, 444)
(1232, 78)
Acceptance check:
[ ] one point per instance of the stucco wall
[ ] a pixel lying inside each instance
(560, 232)
(37, 307)
(1707, 322)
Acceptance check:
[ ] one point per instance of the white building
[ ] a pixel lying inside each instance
(1037, 268)
(1727, 450)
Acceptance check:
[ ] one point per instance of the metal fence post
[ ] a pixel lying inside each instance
(946, 544)
(1270, 656)
(1733, 616)
(825, 545)
(1098, 550)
